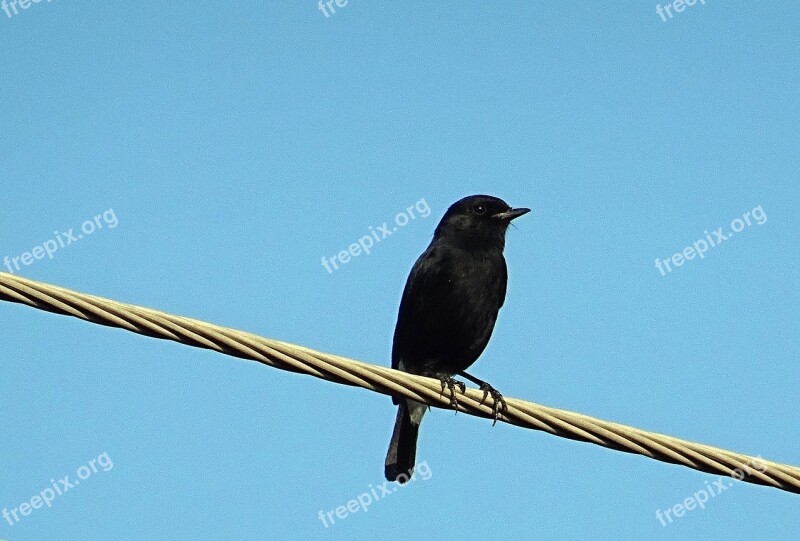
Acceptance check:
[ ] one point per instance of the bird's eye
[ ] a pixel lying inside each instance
(479, 209)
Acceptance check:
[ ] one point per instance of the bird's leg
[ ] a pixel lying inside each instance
(498, 402)
(451, 384)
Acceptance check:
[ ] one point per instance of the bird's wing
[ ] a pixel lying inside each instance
(503, 282)
(426, 297)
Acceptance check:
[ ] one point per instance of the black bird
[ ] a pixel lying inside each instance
(448, 311)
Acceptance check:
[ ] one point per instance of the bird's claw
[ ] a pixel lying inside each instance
(451, 385)
(498, 402)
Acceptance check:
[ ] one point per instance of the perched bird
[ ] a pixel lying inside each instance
(448, 311)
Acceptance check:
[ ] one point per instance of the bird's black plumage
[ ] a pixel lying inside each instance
(448, 310)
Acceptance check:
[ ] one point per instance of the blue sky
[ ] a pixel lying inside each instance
(233, 145)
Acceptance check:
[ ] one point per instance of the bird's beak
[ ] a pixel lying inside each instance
(510, 214)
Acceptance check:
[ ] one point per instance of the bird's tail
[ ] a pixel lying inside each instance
(403, 448)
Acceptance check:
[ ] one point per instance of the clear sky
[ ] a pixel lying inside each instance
(227, 147)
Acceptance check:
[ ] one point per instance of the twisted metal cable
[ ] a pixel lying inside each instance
(387, 381)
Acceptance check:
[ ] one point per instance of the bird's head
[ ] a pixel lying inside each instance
(478, 219)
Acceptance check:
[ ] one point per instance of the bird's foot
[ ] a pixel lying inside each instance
(498, 402)
(451, 384)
